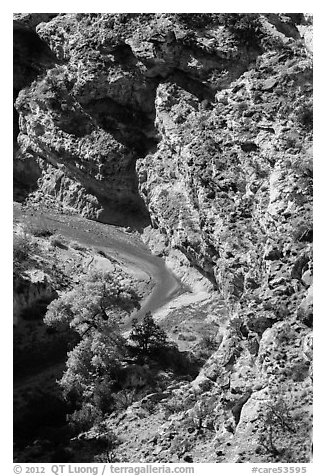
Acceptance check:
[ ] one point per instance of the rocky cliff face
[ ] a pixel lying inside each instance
(205, 123)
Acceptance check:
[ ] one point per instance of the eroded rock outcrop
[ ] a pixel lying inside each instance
(92, 114)
(209, 118)
(231, 187)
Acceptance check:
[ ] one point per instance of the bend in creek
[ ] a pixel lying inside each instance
(128, 247)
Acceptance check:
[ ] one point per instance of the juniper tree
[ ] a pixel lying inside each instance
(147, 335)
(94, 309)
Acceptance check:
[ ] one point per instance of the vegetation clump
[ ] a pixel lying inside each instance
(305, 116)
(58, 241)
(276, 420)
(246, 27)
(106, 371)
(94, 310)
(147, 336)
(40, 231)
(23, 246)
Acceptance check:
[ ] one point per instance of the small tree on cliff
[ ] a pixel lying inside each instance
(94, 309)
(147, 335)
(98, 303)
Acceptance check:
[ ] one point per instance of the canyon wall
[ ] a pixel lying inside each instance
(202, 126)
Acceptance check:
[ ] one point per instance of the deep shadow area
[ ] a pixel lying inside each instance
(193, 86)
(208, 275)
(129, 126)
(31, 57)
(25, 176)
(130, 212)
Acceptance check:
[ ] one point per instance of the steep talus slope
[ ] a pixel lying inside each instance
(205, 123)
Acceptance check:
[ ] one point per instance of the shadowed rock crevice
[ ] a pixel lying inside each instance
(97, 113)
(200, 124)
(25, 176)
(31, 57)
(193, 86)
(132, 128)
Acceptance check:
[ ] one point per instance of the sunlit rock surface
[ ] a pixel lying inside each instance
(202, 128)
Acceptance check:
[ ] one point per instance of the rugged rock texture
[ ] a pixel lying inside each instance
(231, 187)
(215, 113)
(92, 115)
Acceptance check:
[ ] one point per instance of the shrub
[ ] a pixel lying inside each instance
(302, 230)
(201, 416)
(102, 397)
(147, 336)
(124, 398)
(291, 142)
(22, 248)
(305, 116)
(93, 309)
(109, 456)
(207, 346)
(277, 421)
(58, 241)
(41, 231)
(197, 20)
(85, 418)
(242, 106)
(246, 27)
(174, 405)
(182, 363)
(77, 246)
